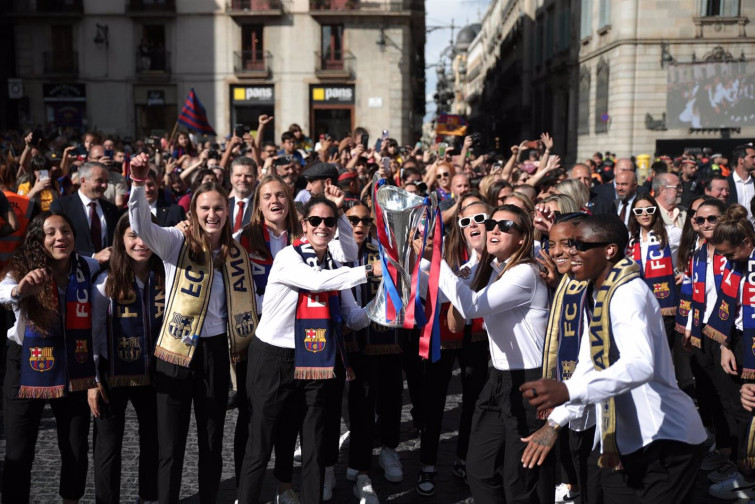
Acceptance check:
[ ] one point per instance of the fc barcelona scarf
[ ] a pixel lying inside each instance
(132, 332)
(604, 353)
(190, 297)
(657, 269)
(685, 301)
(61, 358)
(721, 320)
(261, 266)
(565, 326)
(699, 272)
(317, 330)
(375, 339)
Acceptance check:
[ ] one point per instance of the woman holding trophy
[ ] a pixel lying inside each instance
(508, 293)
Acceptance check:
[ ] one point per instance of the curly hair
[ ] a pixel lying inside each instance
(41, 310)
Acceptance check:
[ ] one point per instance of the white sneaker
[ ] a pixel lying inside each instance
(287, 497)
(297, 454)
(364, 492)
(564, 493)
(735, 487)
(713, 460)
(723, 473)
(329, 483)
(391, 464)
(351, 474)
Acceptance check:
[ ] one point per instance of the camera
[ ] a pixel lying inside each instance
(238, 130)
(365, 140)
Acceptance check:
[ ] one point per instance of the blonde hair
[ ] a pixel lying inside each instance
(576, 190)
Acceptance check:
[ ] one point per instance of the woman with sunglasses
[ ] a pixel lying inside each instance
(462, 340)
(49, 356)
(128, 309)
(375, 394)
(508, 293)
(654, 247)
(209, 319)
(292, 358)
(734, 237)
(444, 172)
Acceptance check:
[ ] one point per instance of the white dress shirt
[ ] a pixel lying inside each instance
(745, 190)
(289, 274)
(235, 209)
(649, 404)
(514, 308)
(166, 243)
(103, 223)
(16, 332)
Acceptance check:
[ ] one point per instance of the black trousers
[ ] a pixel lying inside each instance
(473, 362)
(108, 441)
(662, 472)
(22, 419)
(580, 447)
(502, 417)
(377, 387)
(276, 399)
(333, 408)
(241, 434)
(205, 382)
(412, 363)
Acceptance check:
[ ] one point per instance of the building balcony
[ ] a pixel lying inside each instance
(153, 64)
(249, 8)
(46, 7)
(352, 7)
(336, 67)
(61, 64)
(151, 7)
(252, 64)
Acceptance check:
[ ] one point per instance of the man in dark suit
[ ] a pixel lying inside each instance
(598, 204)
(168, 215)
(608, 190)
(93, 217)
(243, 181)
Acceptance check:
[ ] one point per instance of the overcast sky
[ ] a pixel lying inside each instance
(440, 13)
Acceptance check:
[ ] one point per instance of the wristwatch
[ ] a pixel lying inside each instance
(368, 269)
(554, 425)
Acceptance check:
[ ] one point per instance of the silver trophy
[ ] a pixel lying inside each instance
(405, 217)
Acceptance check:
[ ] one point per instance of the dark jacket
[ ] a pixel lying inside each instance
(73, 207)
(169, 215)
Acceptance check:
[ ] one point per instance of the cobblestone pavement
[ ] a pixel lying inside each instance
(450, 490)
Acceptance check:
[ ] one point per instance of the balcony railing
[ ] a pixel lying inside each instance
(344, 6)
(57, 63)
(249, 7)
(331, 66)
(254, 64)
(151, 6)
(153, 62)
(47, 7)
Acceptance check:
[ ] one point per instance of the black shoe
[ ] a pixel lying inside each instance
(426, 483)
(460, 469)
(233, 401)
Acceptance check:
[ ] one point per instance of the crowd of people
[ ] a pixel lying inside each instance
(579, 305)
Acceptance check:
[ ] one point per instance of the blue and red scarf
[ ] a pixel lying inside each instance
(317, 330)
(721, 321)
(133, 332)
(261, 266)
(375, 339)
(657, 269)
(61, 360)
(699, 270)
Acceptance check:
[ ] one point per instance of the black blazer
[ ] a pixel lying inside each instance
(73, 207)
(608, 191)
(169, 215)
(600, 205)
(247, 218)
(732, 198)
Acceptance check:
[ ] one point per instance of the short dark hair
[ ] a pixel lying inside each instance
(659, 167)
(709, 185)
(609, 228)
(287, 135)
(740, 152)
(268, 143)
(246, 161)
(409, 171)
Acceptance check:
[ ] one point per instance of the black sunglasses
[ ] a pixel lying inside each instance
(443, 175)
(701, 220)
(315, 221)
(367, 221)
(581, 246)
(504, 225)
(467, 221)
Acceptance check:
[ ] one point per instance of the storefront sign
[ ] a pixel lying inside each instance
(340, 95)
(155, 97)
(257, 95)
(64, 92)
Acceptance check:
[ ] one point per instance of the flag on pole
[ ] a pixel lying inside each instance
(194, 117)
(453, 125)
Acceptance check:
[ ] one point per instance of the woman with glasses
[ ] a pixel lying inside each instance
(508, 293)
(462, 340)
(654, 247)
(292, 358)
(444, 172)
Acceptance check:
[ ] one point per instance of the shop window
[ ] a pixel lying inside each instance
(332, 47)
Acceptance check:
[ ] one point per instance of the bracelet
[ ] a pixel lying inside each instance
(138, 180)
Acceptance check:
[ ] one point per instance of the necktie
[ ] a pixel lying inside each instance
(623, 211)
(95, 227)
(239, 216)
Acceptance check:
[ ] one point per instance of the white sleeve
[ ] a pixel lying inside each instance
(674, 235)
(162, 241)
(634, 340)
(344, 249)
(100, 305)
(6, 286)
(353, 315)
(290, 269)
(516, 288)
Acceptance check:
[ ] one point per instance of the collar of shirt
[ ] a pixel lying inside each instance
(85, 200)
(737, 178)
(672, 215)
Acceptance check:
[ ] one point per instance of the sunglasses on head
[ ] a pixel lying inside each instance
(467, 221)
(581, 246)
(701, 220)
(367, 221)
(645, 210)
(444, 175)
(504, 225)
(315, 221)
